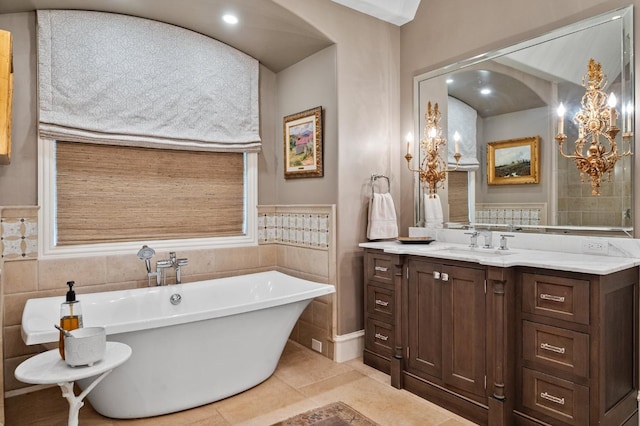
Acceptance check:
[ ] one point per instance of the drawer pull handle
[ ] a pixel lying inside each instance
(381, 302)
(552, 398)
(382, 337)
(381, 268)
(552, 348)
(551, 297)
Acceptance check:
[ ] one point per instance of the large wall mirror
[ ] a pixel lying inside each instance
(508, 98)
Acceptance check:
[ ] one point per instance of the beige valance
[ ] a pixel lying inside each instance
(117, 79)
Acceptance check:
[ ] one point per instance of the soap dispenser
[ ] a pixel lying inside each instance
(70, 315)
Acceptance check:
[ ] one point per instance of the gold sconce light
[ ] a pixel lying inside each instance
(596, 120)
(432, 170)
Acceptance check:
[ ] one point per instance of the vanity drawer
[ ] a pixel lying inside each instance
(380, 268)
(379, 337)
(554, 347)
(556, 297)
(380, 302)
(555, 398)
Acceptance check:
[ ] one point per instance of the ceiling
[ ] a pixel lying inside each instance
(397, 12)
(268, 32)
(507, 93)
(560, 60)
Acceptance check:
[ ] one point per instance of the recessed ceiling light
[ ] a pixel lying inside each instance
(230, 19)
(485, 91)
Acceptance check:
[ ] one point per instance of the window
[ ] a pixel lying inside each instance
(109, 199)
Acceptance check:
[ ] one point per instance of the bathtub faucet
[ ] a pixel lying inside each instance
(161, 271)
(177, 264)
(146, 253)
(160, 274)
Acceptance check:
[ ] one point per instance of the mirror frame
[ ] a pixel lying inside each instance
(627, 57)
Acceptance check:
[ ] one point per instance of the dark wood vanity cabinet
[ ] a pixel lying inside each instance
(383, 273)
(506, 346)
(445, 326)
(577, 360)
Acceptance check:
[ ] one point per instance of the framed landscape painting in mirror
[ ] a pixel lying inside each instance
(514, 161)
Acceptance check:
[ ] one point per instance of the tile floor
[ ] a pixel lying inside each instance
(303, 380)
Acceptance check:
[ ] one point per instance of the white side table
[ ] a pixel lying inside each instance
(48, 368)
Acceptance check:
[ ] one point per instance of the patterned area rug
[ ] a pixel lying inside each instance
(334, 414)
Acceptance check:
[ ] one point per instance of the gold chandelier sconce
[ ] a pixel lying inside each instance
(596, 120)
(433, 169)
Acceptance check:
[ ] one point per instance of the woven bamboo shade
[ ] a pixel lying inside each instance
(458, 197)
(113, 193)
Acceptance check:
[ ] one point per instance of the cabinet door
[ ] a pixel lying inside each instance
(425, 319)
(463, 328)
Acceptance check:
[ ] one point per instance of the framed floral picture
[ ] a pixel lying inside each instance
(303, 144)
(514, 161)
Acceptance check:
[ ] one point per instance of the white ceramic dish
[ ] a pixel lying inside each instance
(86, 347)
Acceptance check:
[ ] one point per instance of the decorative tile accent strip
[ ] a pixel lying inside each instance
(18, 233)
(304, 226)
(512, 214)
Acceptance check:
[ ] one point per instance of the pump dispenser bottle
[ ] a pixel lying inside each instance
(70, 315)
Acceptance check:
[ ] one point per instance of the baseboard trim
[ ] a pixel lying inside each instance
(26, 390)
(348, 346)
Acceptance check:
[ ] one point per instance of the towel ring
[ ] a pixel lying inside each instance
(375, 177)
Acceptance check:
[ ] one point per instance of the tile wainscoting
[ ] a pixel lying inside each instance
(298, 240)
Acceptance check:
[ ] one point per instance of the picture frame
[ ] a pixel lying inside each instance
(303, 156)
(514, 161)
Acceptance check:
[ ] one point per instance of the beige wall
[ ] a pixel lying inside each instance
(367, 70)
(305, 85)
(18, 179)
(267, 163)
(444, 32)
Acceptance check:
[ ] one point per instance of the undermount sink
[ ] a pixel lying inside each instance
(476, 252)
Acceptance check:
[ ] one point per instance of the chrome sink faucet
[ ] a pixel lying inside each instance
(487, 238)
(474, 238)
(503, 241)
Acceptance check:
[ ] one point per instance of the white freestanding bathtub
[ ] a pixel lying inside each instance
(225, 336)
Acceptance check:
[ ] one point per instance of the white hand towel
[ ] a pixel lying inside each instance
(382, 217)
(433, 211)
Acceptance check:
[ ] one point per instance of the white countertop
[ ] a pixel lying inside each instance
(546, 259)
